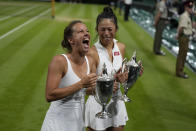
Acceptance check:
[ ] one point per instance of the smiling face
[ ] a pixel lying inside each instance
(106, 31)
(80, 40)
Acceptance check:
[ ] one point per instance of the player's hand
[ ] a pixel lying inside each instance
(89, 80)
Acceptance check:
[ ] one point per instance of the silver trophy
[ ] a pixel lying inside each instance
(103, 92)
(133, 69)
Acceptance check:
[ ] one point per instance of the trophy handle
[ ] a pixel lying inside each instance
(124, 64)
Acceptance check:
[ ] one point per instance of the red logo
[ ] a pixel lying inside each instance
(116, 53)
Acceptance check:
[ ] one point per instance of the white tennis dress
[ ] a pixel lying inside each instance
(115, 107)
(67, 114)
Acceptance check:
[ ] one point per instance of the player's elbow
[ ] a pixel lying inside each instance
(49, 97)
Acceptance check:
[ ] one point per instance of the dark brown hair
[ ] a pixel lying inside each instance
(68, 32)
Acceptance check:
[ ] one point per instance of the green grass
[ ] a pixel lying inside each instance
(161, 101)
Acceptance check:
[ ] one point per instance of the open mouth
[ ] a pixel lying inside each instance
(106, 38)
(85, 41)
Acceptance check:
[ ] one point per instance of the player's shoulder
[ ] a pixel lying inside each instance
(58, 61)
(121, 45)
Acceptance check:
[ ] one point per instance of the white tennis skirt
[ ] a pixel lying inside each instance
(67, 118)
(116, 108)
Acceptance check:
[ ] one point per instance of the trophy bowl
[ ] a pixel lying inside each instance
(133, 73)
(103, 94)
(133, 69)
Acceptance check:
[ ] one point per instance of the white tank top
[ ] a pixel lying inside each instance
(104, 58)
(71, 78)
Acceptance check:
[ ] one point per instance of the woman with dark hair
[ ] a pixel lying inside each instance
(68, 77)
(111, 52)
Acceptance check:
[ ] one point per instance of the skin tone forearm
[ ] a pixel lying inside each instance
(57, 69)
(59, 93)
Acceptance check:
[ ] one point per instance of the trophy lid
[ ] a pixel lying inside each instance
(105, 76)
(132, 61)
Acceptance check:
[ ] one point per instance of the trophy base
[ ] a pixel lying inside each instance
(125, 98)
(103, 115)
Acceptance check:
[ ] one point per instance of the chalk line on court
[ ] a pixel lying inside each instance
(17, 13)
(22, 25)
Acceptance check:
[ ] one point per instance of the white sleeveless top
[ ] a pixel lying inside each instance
(115, 107)
(71, 78)
(67, 114)
(111, 66)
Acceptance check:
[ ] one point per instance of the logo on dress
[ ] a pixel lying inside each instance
(116, 53)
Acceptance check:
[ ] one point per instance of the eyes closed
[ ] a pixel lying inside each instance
(106, 29)
(82, 31)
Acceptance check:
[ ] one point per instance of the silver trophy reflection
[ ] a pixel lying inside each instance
(133, 69)
(103, 92)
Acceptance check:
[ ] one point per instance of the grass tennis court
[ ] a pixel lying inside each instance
(29, 38)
